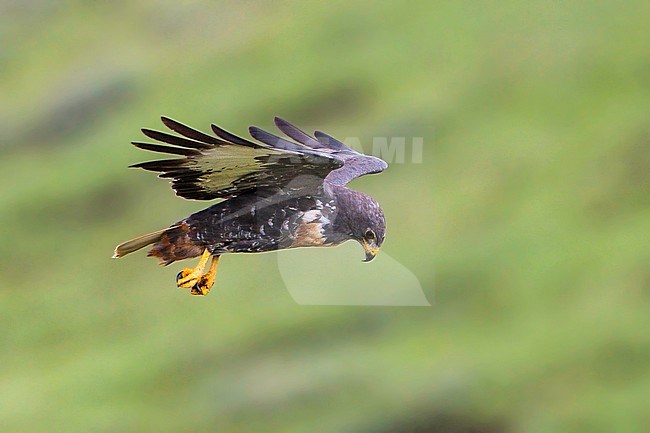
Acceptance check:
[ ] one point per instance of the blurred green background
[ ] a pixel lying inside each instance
(527, 223)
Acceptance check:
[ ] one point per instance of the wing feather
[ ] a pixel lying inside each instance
(166, 149)
(355, 163)
(331, 142)
(232, 138)
(227, 165)
(274, 141)
(175, 140)
(297, 134)
(189, 132)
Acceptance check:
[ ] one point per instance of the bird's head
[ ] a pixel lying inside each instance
(369, 227)
(360, 218)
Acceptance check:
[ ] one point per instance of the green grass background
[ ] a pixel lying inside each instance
(527, 223)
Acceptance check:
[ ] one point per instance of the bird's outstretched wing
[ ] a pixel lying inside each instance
(225, 165)
(355, 164)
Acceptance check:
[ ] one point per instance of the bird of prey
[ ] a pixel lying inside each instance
(277, 193)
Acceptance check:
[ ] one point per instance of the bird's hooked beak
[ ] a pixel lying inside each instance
(371, 249)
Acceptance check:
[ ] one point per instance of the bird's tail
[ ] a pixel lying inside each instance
(140, 242)
(170, 244)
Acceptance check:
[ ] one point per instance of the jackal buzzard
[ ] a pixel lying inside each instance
(278, 194)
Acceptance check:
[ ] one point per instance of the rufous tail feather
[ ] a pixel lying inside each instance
(140, 242)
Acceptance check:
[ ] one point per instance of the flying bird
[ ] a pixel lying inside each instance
(277, 193)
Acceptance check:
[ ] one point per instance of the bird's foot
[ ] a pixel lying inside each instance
(194, 278)
(188, 277)
(206, 281)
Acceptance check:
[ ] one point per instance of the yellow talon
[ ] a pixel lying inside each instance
(189, 277)
(206, 281)
(194, 278)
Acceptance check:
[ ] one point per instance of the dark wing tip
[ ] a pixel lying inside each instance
(330, 142)
(277, 142)
(176, 140)
(230, 137)
(295, 133)
(162, 165)
(172, 124)
(272, 140)
(189, 132)
(283, 124)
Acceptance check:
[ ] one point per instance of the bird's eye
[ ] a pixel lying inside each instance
(370, 235)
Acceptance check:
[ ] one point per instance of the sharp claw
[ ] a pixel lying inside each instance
(196, 290)
(179, 276)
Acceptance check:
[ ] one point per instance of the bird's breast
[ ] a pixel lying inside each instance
(311, 228)
(309, 235)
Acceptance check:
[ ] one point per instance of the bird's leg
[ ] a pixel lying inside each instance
(206, 281)
(188, 277)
